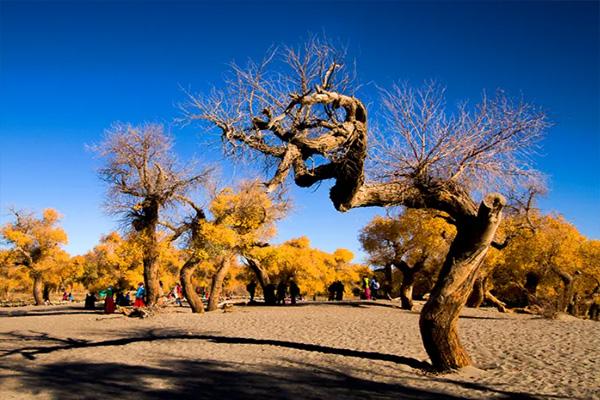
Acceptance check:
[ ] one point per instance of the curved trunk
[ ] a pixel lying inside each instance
(478, 294)
(501, 306)
(438, 321)
(217, 285)
(406, 289)
(38, 288)
(185, 275)
(567, 297)
(261, 275)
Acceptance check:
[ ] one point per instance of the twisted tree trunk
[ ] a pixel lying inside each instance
(217, 284)
(438, 322)
(406, 289)
(38, 288)
(567, 297)
(185, 275)
(261, 275)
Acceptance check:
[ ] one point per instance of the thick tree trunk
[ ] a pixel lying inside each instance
(185, 275)
(439, 317)
(150, 259)
(478, 293)
(217, 284)
(406, 289)
(38, 288)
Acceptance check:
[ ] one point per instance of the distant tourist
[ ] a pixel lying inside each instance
(366, 289)
(270, 294)
(127, 299)
(374, 286)
(90, 301)
(281, 292)
(71, 297)
(65, 296)
(294, 292)
(109, 301)
(251, 288)
(139, 296)
(177, 294)
(120, 298)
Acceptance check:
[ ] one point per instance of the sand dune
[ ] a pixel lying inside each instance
(313, 351)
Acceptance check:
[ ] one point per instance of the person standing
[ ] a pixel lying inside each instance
(366, 288)
(109, 301)
(281, 292)
(251, 288)
(374, 286)
(139, 296)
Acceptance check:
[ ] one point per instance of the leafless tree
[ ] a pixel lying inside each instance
(296, 108)
(144, 179)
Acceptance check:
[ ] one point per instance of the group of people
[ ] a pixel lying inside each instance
(276, 294)
(370, 288)
(68, 296)
(114, 297)
(336, 291)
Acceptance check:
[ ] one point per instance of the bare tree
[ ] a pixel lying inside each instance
(144, 179)
(303, 117)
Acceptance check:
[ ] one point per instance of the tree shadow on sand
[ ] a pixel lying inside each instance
(214, 380)
(59, 344)
(199, 380)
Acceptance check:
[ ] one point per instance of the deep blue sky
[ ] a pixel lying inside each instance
(68, 70)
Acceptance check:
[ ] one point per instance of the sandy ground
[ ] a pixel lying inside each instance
(313, 351)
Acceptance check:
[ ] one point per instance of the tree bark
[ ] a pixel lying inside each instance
(406, 288)
(38, 288)
(150, 259)
(438, 322)
(217, 284)
(185, 275)
(567, 296)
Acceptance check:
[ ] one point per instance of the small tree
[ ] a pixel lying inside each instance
(303, 116)
(144, 179)
(236, 221)
(35, 245)
(407, 242)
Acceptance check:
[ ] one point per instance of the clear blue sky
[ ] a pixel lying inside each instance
(68, 70)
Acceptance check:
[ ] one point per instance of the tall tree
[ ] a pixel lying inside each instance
(407, 242)
(144, 179)
(35, 244)
(303, 116)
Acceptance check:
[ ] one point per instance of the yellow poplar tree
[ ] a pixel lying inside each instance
(35, 245)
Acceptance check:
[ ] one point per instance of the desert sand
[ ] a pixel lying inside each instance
(313, 351)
